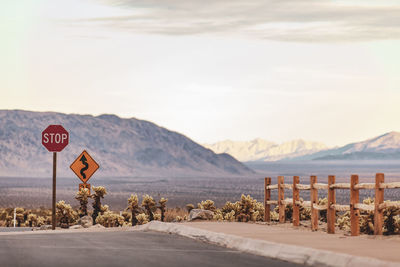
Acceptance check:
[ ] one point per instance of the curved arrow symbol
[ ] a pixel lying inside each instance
(84, 162)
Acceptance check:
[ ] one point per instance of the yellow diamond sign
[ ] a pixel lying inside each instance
(84, 166)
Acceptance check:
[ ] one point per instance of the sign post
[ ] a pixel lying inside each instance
(84, 166)
(55, 138)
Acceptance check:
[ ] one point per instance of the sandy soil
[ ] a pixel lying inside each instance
(380, 247)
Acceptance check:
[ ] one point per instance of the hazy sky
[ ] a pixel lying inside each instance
(326, 71)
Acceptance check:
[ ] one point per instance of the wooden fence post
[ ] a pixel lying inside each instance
(314, 200)
(331, 211)
(354, 213)
(296, 197)
(379, 196)
(267, 197)
(281, 196)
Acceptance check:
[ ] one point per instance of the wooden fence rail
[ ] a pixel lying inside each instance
(332, 207)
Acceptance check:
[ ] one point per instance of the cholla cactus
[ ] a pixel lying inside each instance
(229, 207)
(82, 196)
(323, 213)
(150, 205)
(255, 216)
(104, 209)
(110, 219)
(40, 221)
(189, 207)
(366, 218)
(274, 216)
(127, 216)
(142, 218)
(65, 213)
(343, 222)
(230, 216)
(391, 221)
(246, 208)
(20, 216)
(133, 205)
(162, 207)
(218, 216)
(179, 219)
(99, 193)
(288, 211)
(207, 205)
(32, 220)
(9, 221)
(157, 217)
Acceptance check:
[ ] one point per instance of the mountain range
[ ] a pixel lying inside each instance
(263, 150)
(383, 147)
(122, 147)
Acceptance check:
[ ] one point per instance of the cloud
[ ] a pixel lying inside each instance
(280, 20)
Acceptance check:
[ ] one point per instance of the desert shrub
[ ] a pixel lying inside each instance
(157, 216)
(323, 213)
(162, 207)
(82, 196)
(3, 215)
(343, 221)
(32, 220)
(179, 219)
(142, 218)
(127, 216)
(391, 220)
(288, 212)
(20, 216)
(65, 214)
(230, 216)
(207, 205)
(133, 206)
(99, 193)
(246, 208)
(274, 216)
(9, 221)
(189, 207)
(218, 215)
(103, 209)
(110, 219)
(229, 207)
(171, 214)
(40, 221)
(150, 206)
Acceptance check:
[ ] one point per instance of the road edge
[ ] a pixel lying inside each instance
(284, 252)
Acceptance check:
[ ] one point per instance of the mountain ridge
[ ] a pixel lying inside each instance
(122, 147)
(382, 147)
(262, 150)
(385, 146)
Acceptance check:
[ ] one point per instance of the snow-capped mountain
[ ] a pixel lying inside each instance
(385, 146)
(262, 150)
(122, 147)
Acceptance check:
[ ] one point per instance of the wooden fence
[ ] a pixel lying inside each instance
(354, 206)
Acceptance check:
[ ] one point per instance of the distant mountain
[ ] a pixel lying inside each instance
(262, 150)
(384, 147)
(122, 147)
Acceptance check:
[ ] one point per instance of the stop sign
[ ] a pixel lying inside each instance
(55, 138)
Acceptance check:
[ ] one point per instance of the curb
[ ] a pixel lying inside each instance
(284, 252)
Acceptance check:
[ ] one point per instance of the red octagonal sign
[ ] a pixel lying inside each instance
(55, 138)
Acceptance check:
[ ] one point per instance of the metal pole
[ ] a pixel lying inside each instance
(53, 216)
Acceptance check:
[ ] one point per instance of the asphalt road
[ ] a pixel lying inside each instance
(16, 229)
(120, 249)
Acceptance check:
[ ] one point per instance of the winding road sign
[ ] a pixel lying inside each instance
(84, 166)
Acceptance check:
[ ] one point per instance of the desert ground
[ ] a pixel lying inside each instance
(36, 192)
